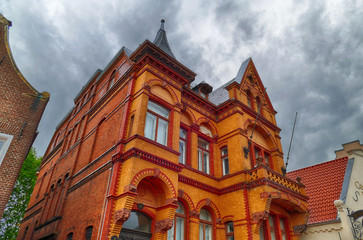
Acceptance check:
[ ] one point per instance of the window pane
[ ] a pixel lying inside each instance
(225, 166)
(230, 227)
(180, 209)
(203, 144)
(182, 151)
(282, 225)
(201, 231)
(208, 232)
(262, 233)
(158, 109)
(273, 237)
(179, 235)
(283, 236)
(200, 160)
(162, 132)
(224, 151)
(171, 233)
(205, 215)
(183, 134)
(150, 126)
(230, 238)
(138, 221)
(88, 234)
(206, 162)
(1, 144)
(271, 221)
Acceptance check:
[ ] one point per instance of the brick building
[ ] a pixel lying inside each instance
(21, 107)
(146, 155)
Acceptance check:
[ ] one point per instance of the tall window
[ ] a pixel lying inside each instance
(112, 79)
(88, 233)
(205, 225)
(156, 125)
(182, 145)
(177, 232)
(229, 231)
(249, 99)
(274, 228)
(225, 162)
(259, 105)
(203, 155)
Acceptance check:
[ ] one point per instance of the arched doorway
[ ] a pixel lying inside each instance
(138, 226)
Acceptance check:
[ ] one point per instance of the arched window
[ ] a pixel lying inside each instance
(205, 225)
(156, 125)
(249, 99)
(259, 105)
(177, 232)
(25, 232)
(88, 233)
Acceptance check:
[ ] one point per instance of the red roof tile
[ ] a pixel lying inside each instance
(323, 184)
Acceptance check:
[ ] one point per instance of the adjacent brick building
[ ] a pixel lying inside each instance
(21, 107)
(146, 155)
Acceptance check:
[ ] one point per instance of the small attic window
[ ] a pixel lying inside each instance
(203, 89)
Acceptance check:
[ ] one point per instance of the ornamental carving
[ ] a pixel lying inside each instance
(163, 225)
(122, 215)
(298, 229)
(259, 216)
(194, 214)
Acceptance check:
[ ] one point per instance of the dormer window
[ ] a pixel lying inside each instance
(203, 89)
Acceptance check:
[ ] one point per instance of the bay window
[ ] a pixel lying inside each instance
(156, 125)
(205, 225)
(203, 155)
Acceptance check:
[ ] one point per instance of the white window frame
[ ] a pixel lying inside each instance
(6, 138)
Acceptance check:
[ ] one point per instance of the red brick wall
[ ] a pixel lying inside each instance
(20, 113)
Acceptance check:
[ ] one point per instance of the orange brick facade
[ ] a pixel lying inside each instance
(21, 107)
(142, 145)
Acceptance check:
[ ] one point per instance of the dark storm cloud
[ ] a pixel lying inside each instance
(309, 56)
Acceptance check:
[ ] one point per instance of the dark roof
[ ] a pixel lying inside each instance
(221, 95)
(161, 40)
(323, 184)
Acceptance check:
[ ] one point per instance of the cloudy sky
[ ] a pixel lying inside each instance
(309, 55)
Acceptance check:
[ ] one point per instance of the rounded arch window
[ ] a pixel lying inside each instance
(138, 221)
(205, 225)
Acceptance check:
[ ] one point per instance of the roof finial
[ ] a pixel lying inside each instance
(162, 24)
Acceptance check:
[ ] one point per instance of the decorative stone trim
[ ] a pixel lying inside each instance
(122, 215)
(163, 225)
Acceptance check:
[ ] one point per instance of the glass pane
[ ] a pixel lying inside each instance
(208, 232)
(201, 231)
(162, 132)
(282, 225)
(179, 235)
(182, 151)
(230, 227)
(271, 221)
(256, 154)
(1, 143)
(138, 221)
(158, 109)
(206, 162)
(224, 151)
(262, 233)
(283, 236)
(150, 126)
(230, 238)
(273, 237)
(200, 160)
(225, 166)
(205, 215)
(180, 209)
(171, 233)
(183, 134)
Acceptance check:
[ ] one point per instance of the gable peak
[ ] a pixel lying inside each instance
(161, 41)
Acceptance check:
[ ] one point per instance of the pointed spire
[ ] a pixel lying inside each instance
(161, 40)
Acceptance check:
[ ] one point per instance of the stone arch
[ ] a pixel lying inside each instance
(208, 123)
(207, 202)
(164, 85)
(155, 172)
(189, 113)
(261, 129)
(187, 199)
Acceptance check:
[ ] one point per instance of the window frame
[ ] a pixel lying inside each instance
(204, 150)
(88, 233)
(6, 139)
(185, 141)
(112, 80)
(229, 234)
(276, 227)
(158, 117)
(224, 158)
(262, 152)
(206, 222)
(182, 216)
